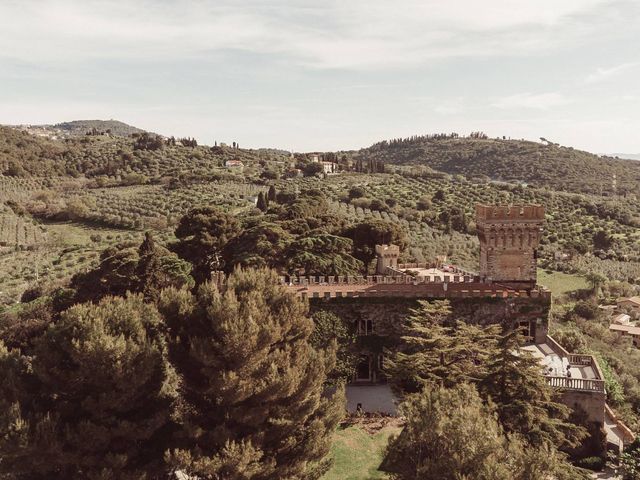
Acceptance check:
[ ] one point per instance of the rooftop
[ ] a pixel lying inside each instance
(629, 329)
(635, 300)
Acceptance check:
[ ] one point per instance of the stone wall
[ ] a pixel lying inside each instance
(388, 316)
(592, 403)
(509, 237)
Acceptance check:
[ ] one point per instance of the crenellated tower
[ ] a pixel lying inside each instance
(387, 256)
(509, 238)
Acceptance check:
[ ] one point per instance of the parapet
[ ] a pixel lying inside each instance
(509, 213)
(383, 250)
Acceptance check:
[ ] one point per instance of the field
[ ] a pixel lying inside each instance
(69, 248)
(561, 283)
(358, 454)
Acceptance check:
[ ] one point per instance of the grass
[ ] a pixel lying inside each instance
(561, 283)
(68, 248)
(357, 454)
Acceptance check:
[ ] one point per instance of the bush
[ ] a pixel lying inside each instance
(592, 463)
(586, 309)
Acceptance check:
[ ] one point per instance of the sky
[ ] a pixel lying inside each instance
(332, 74)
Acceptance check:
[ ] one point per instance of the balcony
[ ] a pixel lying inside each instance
(567, 371)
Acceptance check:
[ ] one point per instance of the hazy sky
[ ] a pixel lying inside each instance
(330, 74)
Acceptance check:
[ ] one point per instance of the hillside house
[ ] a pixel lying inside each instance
(621, 319)
(234, 164)
(628, 329)
(631, 304)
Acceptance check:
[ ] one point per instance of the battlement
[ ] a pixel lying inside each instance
(508, 213)
(457, 286)
(385, 250)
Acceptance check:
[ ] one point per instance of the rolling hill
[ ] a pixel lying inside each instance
(537, 164)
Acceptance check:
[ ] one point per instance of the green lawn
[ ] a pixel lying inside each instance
(560, 283)
(357, 454)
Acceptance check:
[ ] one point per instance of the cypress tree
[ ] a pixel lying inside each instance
(148, 268)
(262, 202)
(252, 383)
(272, 194)
(96, 400)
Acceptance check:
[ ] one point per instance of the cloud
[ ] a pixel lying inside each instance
(330, 34)
(604, 74)
(540, 101)
(450, 107)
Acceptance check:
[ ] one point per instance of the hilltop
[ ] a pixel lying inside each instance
(538, 164)
(541, 164)
(81, 127)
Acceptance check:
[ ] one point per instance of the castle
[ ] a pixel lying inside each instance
(504, 291)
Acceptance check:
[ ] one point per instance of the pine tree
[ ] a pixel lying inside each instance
(525, 403)
(252, 381)
(449, 435)
(452, 434)
(202, 234)
(431, 353)
(96, 402)
(262, 202)
(124, 268)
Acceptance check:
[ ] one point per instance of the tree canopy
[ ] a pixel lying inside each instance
(95, 401)
(252, 382)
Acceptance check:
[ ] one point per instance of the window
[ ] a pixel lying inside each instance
(365, 327)
(524, 326)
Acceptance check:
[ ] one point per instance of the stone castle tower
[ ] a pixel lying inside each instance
(387, 257)
(509, 237)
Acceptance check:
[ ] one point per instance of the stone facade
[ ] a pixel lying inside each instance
(509, 237)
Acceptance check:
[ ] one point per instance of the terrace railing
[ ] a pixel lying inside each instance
(583, 384)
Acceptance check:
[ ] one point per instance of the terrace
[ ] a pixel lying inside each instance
(581, 381)
(565, 370)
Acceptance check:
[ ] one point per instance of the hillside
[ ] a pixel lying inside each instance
(81, 127)
(24, 155)
(538, 164)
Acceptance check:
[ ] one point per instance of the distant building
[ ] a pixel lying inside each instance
(631, 330)
(234, 164)
(329, 167)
